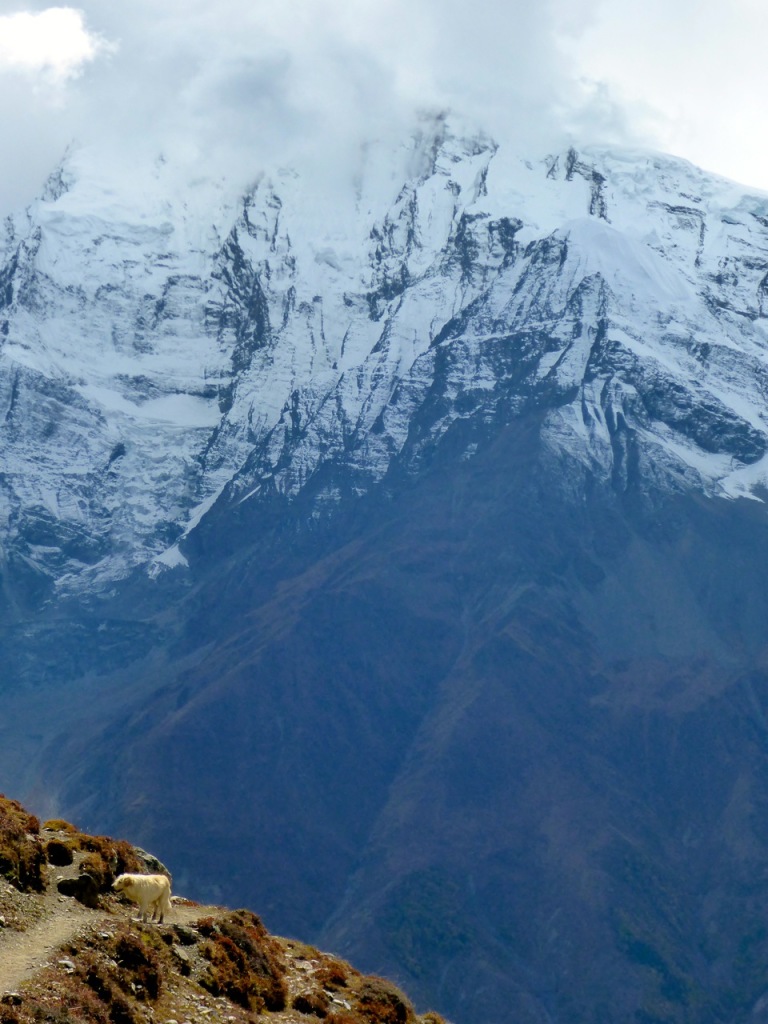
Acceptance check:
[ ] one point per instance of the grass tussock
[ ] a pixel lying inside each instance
(102, 859)
(58, 853)
(315, 1004)
(22, 856)
(337, 993)
(381, 1002)
(110, 856)
(245, 962)
(59, 825)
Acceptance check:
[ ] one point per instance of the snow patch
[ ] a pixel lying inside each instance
(177, 410)
(171, 558)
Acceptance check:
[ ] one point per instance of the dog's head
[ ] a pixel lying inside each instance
(120, 883)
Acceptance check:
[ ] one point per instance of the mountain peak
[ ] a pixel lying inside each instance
(263, 337)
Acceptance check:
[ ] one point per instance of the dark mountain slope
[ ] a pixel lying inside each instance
(504, 738)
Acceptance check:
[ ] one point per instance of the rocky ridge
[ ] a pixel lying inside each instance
(85, 959)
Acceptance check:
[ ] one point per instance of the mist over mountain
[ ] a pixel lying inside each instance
(394, 564)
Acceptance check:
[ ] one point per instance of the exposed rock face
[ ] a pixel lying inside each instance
(420, 554)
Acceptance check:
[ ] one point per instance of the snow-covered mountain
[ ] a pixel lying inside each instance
(167, 347)
(408, 531)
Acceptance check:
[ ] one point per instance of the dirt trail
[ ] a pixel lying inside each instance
(22, 953)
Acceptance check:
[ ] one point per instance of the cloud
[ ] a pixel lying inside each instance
(54, 43)
(43, 54)
(243, 85)
(690, 77)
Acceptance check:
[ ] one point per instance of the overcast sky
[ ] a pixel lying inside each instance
(237, 83)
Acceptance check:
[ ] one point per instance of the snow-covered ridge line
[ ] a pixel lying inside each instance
(163, 349)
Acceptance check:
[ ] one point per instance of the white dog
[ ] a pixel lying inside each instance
(149, 891)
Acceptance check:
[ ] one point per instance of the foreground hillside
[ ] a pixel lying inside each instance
(71, 951)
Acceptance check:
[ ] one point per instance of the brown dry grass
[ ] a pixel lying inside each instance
(245, 962)
(22, 858)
